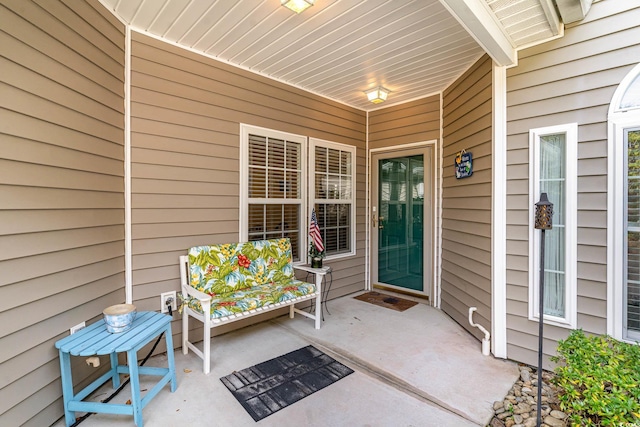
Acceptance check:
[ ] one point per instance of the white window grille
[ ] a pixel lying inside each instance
(333, 194)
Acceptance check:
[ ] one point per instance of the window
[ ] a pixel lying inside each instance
(332, 194)
(273, 190)
(631, 292)
(553, 170)
(624, 205)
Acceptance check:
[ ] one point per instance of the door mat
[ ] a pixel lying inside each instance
(385, 300)
(267, 387)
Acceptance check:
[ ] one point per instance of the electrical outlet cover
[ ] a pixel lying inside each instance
(76, 328)
(163, 299)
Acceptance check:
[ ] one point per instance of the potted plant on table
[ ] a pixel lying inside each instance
(315, 255)
(316, 245)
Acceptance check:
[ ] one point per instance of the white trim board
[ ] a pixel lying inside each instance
(499, 215)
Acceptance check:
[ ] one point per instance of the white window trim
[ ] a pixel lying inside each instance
(616, 254)
(313, 143)
(571, 220)
(245, 130)
(618, 121)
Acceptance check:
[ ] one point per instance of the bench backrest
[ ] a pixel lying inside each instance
(219, 269)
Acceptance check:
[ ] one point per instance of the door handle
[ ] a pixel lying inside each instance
(374, 221)
(381, 226)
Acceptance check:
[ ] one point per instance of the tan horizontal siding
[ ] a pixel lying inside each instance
(568, 80)
(61, 191)
(186, 115)
(18, 125)
(415, 121)
(467, 203)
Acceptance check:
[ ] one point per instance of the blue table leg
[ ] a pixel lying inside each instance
(115, 379)
(134, 376)
(170, 358)
(67, 387)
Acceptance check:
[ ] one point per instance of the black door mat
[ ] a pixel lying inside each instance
(385, 300)
(267, 387)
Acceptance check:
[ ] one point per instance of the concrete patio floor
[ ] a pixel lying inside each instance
(412, 368)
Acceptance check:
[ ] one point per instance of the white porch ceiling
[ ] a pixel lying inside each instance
(340, 48)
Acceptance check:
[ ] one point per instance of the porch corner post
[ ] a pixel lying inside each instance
(499, 214)
(128, 251)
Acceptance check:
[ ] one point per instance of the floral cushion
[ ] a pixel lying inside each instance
(255, 297)
(226, 268)
(244, 276)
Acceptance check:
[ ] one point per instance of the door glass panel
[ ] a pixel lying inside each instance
(400, 221)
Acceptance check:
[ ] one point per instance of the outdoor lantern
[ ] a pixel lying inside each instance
(544, 213)
(543, 221)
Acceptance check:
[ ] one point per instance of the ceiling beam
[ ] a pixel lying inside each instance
(573, 10)
(479, 21)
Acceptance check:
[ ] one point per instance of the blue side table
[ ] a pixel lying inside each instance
(94, 340)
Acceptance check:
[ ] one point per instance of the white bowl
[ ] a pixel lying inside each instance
(119, 317)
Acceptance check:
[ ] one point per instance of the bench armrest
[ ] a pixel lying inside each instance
(317, 273)
(187, 289)
(193, 292)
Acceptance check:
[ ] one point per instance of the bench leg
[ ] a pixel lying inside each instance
(318, 311)
(185, 331)
(206, 346)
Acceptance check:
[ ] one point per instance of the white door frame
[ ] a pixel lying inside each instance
(434, 291)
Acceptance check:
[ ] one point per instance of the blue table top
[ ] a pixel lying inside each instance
(94, 340)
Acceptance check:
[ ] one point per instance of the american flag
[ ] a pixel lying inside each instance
(314, 232)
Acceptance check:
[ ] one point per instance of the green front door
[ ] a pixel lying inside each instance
(402, 220)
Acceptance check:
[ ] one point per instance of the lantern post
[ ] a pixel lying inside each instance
(543, 221)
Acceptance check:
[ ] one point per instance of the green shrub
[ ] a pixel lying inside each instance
(599, 380)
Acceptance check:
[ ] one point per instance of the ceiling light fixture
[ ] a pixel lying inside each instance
(297, 5)
(377, 95)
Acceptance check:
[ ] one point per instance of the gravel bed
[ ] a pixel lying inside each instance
(519, 407)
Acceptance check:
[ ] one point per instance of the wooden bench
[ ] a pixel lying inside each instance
(228, 282)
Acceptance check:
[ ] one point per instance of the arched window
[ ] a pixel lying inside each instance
(624, 210)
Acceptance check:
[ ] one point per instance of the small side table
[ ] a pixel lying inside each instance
(94, 340)
(320, 275)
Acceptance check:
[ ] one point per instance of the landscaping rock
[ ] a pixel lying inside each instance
(553, 422)
(503, 415)
(519, 407)
(522, 408)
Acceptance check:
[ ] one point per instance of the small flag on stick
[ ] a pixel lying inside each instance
(314, 232)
